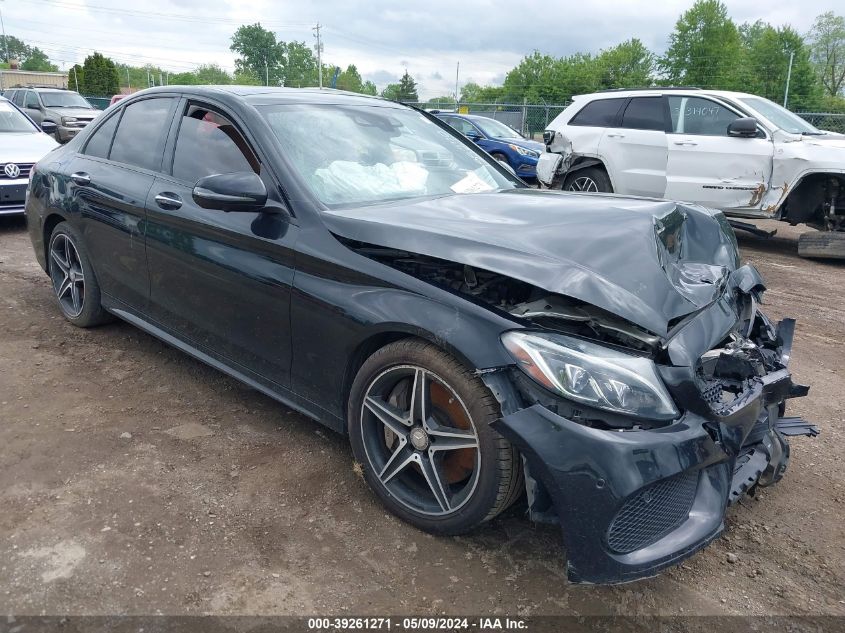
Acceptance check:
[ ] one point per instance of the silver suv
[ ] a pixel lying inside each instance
(68, 111)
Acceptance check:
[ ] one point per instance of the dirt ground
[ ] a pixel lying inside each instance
(136, 480)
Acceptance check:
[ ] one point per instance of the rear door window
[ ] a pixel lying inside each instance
(644, 113)
(598, 113)
(100, 141)
(140, 135)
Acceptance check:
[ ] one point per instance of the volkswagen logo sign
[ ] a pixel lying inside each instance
(12, 170)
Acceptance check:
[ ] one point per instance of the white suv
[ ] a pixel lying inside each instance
(732, 151)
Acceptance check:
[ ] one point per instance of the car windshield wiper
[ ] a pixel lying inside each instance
(813, 133)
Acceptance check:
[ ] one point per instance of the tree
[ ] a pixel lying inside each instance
(350, 79)
(705, 49)
(828, 51)
(76, 77)
(99, 76)
(626, 65)
(17, 49)
(369, 88)
(260, 53)
(298, 65)
(408, 88)
(30, 57)
(765, 65)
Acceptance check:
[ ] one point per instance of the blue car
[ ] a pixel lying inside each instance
(504, 143)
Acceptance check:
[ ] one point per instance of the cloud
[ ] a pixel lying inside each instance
(380, 36)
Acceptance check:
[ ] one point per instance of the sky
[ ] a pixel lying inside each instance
(382, 38)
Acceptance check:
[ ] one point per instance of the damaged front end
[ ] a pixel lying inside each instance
(645, 389)
(634, 495)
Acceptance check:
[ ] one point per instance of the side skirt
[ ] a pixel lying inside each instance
(272, 390)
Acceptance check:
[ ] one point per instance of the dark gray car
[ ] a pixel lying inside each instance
(67, 110)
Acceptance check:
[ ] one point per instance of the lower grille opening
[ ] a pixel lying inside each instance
(653, 512)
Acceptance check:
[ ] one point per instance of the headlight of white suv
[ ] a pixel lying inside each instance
(592, 374)
(68, 119)
(524, 152)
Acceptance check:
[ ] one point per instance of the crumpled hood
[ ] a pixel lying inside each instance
(647, 261)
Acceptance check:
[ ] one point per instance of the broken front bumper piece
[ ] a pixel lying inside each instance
(633, 502)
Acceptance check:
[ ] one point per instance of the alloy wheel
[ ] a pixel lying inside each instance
(583, 183)
(420, 440)
(67, 275)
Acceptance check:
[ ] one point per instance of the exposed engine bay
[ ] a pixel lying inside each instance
(515, 297)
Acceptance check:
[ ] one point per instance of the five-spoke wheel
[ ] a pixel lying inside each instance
(67, 275)
(420, 427)
(73, 279)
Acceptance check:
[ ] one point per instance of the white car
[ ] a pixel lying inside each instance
(732, 151)
(22, 144)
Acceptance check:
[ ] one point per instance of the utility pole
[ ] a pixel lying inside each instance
(5, 39)
(75, 78)
(266, 73)
(457, 94)
(319, 48)
(128, 81)
(149, 82)
(788, 77)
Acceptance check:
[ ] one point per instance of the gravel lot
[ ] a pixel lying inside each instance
(133, 479)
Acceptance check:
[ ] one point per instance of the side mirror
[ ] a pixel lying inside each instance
(48, 127)
(240, 191)
(746, 127)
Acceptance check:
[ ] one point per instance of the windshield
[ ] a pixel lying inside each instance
(63, 100)
(781, 117)
(496, 129)
(11, 120)
(357, 155)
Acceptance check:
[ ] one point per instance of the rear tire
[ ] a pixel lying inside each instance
(74, 284)
(588, 180)
(446, 488)
(822, 244)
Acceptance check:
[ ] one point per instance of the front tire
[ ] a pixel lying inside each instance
(589, 180)
(419, 425)
(74, 284)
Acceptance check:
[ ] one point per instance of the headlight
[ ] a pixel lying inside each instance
(592, 374)
(68, 119)
(525, 152)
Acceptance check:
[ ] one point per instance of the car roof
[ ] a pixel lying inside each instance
(659, 91)
(264, 95)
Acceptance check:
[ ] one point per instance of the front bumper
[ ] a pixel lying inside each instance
(12, 196)
(66, 133)
(631, 503)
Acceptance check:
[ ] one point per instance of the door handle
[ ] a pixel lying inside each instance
(690, 143)
(167, 200)
(81, 178)
(615, 135)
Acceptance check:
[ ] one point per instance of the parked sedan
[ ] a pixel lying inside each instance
(364, 264)
(22, 143)
(504, 143)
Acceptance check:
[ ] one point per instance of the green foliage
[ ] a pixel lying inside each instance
(626, 65)
(99, 76)
(76, 77)
(827, 46)
(298, 66)
(260, 53)
(704, 49)
(350, 79)
(765, 65)
(30, 57)
(405, 90)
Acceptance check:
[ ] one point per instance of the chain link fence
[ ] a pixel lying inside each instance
(528, 119)
(101, 103)
(829, 121)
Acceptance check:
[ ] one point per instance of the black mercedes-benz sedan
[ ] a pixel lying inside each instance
(478, 340)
